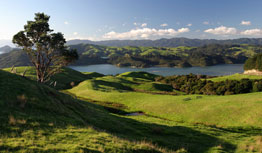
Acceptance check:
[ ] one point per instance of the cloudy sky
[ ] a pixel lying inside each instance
(137, 19)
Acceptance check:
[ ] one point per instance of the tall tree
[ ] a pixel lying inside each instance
(45, 49)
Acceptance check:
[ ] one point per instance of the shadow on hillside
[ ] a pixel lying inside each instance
(170, 137)
(106, 85)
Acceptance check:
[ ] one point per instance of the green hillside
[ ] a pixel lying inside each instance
(64, 79)
(181, 56)
(37, 118)
(129, 81)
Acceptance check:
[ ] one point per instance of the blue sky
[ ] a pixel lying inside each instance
(138, 19)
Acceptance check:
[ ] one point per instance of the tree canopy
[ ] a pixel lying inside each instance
(45, 49)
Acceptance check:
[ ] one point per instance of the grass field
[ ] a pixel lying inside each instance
(37, 118)
(236, 76)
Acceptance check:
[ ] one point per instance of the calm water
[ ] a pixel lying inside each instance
(225, 69)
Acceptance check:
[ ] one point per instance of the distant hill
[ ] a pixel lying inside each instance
(6, 42)
(173, 42)
(14, 58)
(5, 49)
(182, 56)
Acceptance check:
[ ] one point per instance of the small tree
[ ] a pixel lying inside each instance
(45, 49)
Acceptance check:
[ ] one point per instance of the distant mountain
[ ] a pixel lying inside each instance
(6, 42)
(173, 42)
(5, 49)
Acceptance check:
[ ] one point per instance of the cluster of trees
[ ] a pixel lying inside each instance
(254, 62)
(197, 84)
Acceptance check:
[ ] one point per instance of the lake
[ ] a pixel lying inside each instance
(217, 70)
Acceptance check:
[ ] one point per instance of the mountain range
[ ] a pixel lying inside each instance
(172, 42)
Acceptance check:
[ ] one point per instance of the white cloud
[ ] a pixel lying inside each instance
(83, 38)
(206, 22)
(222, 30)
(183, 30)
(245, 23)
(145, 33)
(66, 22)
(75, 33)
(144, 25)
(135, 23)
(189, 24)
(252, 32)
(164, 25)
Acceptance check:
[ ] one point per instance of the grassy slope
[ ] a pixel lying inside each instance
(236, 76)
(63, 79)
(36, 118)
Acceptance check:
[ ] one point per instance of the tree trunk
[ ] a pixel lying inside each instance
(40, 76)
